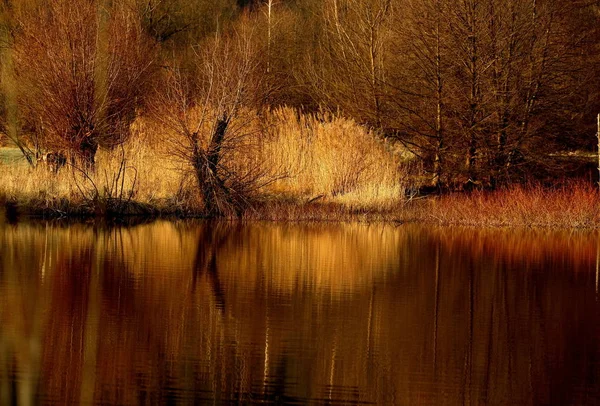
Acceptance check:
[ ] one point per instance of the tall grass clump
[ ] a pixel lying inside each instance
(295, 161)
(328, 158)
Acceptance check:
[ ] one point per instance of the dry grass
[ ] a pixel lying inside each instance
(132, 180)
(334, 164)
(575, 205)
(315, 168)
(331, 159)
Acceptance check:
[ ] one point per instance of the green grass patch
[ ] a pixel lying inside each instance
(11, 156)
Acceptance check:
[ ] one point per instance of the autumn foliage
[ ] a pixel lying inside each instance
(475, 95)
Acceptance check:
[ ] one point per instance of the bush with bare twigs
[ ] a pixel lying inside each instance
(84, 68)
(207, 112)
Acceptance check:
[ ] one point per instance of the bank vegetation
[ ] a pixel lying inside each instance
(471, 112)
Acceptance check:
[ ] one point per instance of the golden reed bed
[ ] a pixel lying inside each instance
(314, 168)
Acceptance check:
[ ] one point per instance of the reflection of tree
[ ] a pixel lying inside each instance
(436, 307)
(22, 312)
(69, 330)
(468, 357)
(211, 239)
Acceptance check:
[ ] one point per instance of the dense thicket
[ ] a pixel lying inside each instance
(483, 92)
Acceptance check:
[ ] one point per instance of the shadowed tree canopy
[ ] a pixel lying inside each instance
(182, 22)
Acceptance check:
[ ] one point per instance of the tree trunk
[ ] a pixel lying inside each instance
(214, 192)
(439, 129)
(473, 68)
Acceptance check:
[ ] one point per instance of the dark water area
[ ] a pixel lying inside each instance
(220, 313)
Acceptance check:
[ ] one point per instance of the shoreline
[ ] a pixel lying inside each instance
(575, 206)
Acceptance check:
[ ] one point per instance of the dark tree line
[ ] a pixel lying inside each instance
(482, 91)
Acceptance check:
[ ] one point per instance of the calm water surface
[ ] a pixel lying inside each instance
(194, 313)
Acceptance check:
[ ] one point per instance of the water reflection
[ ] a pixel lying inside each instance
(271, 313)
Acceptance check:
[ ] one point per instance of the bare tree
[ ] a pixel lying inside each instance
(182, 21)
(468, 36)
(348, 70)
(487, 82)
(9, 125)
(269, 12)
(209, 114)
(418, 85)
(534, 63)
(85, 67)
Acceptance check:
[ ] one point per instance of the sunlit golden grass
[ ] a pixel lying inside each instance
(133, 174)
(312, 167)
(331, 159)
(302, 157)
(332, 162)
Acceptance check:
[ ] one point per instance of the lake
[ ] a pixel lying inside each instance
(195, 312)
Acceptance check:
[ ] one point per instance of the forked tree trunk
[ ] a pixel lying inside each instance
(215, 194)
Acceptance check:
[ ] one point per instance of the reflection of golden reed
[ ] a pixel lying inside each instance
(335, 257)
(346, 312)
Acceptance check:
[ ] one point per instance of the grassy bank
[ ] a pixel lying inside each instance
(574, 205)
(313, 169)
(326, 163)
